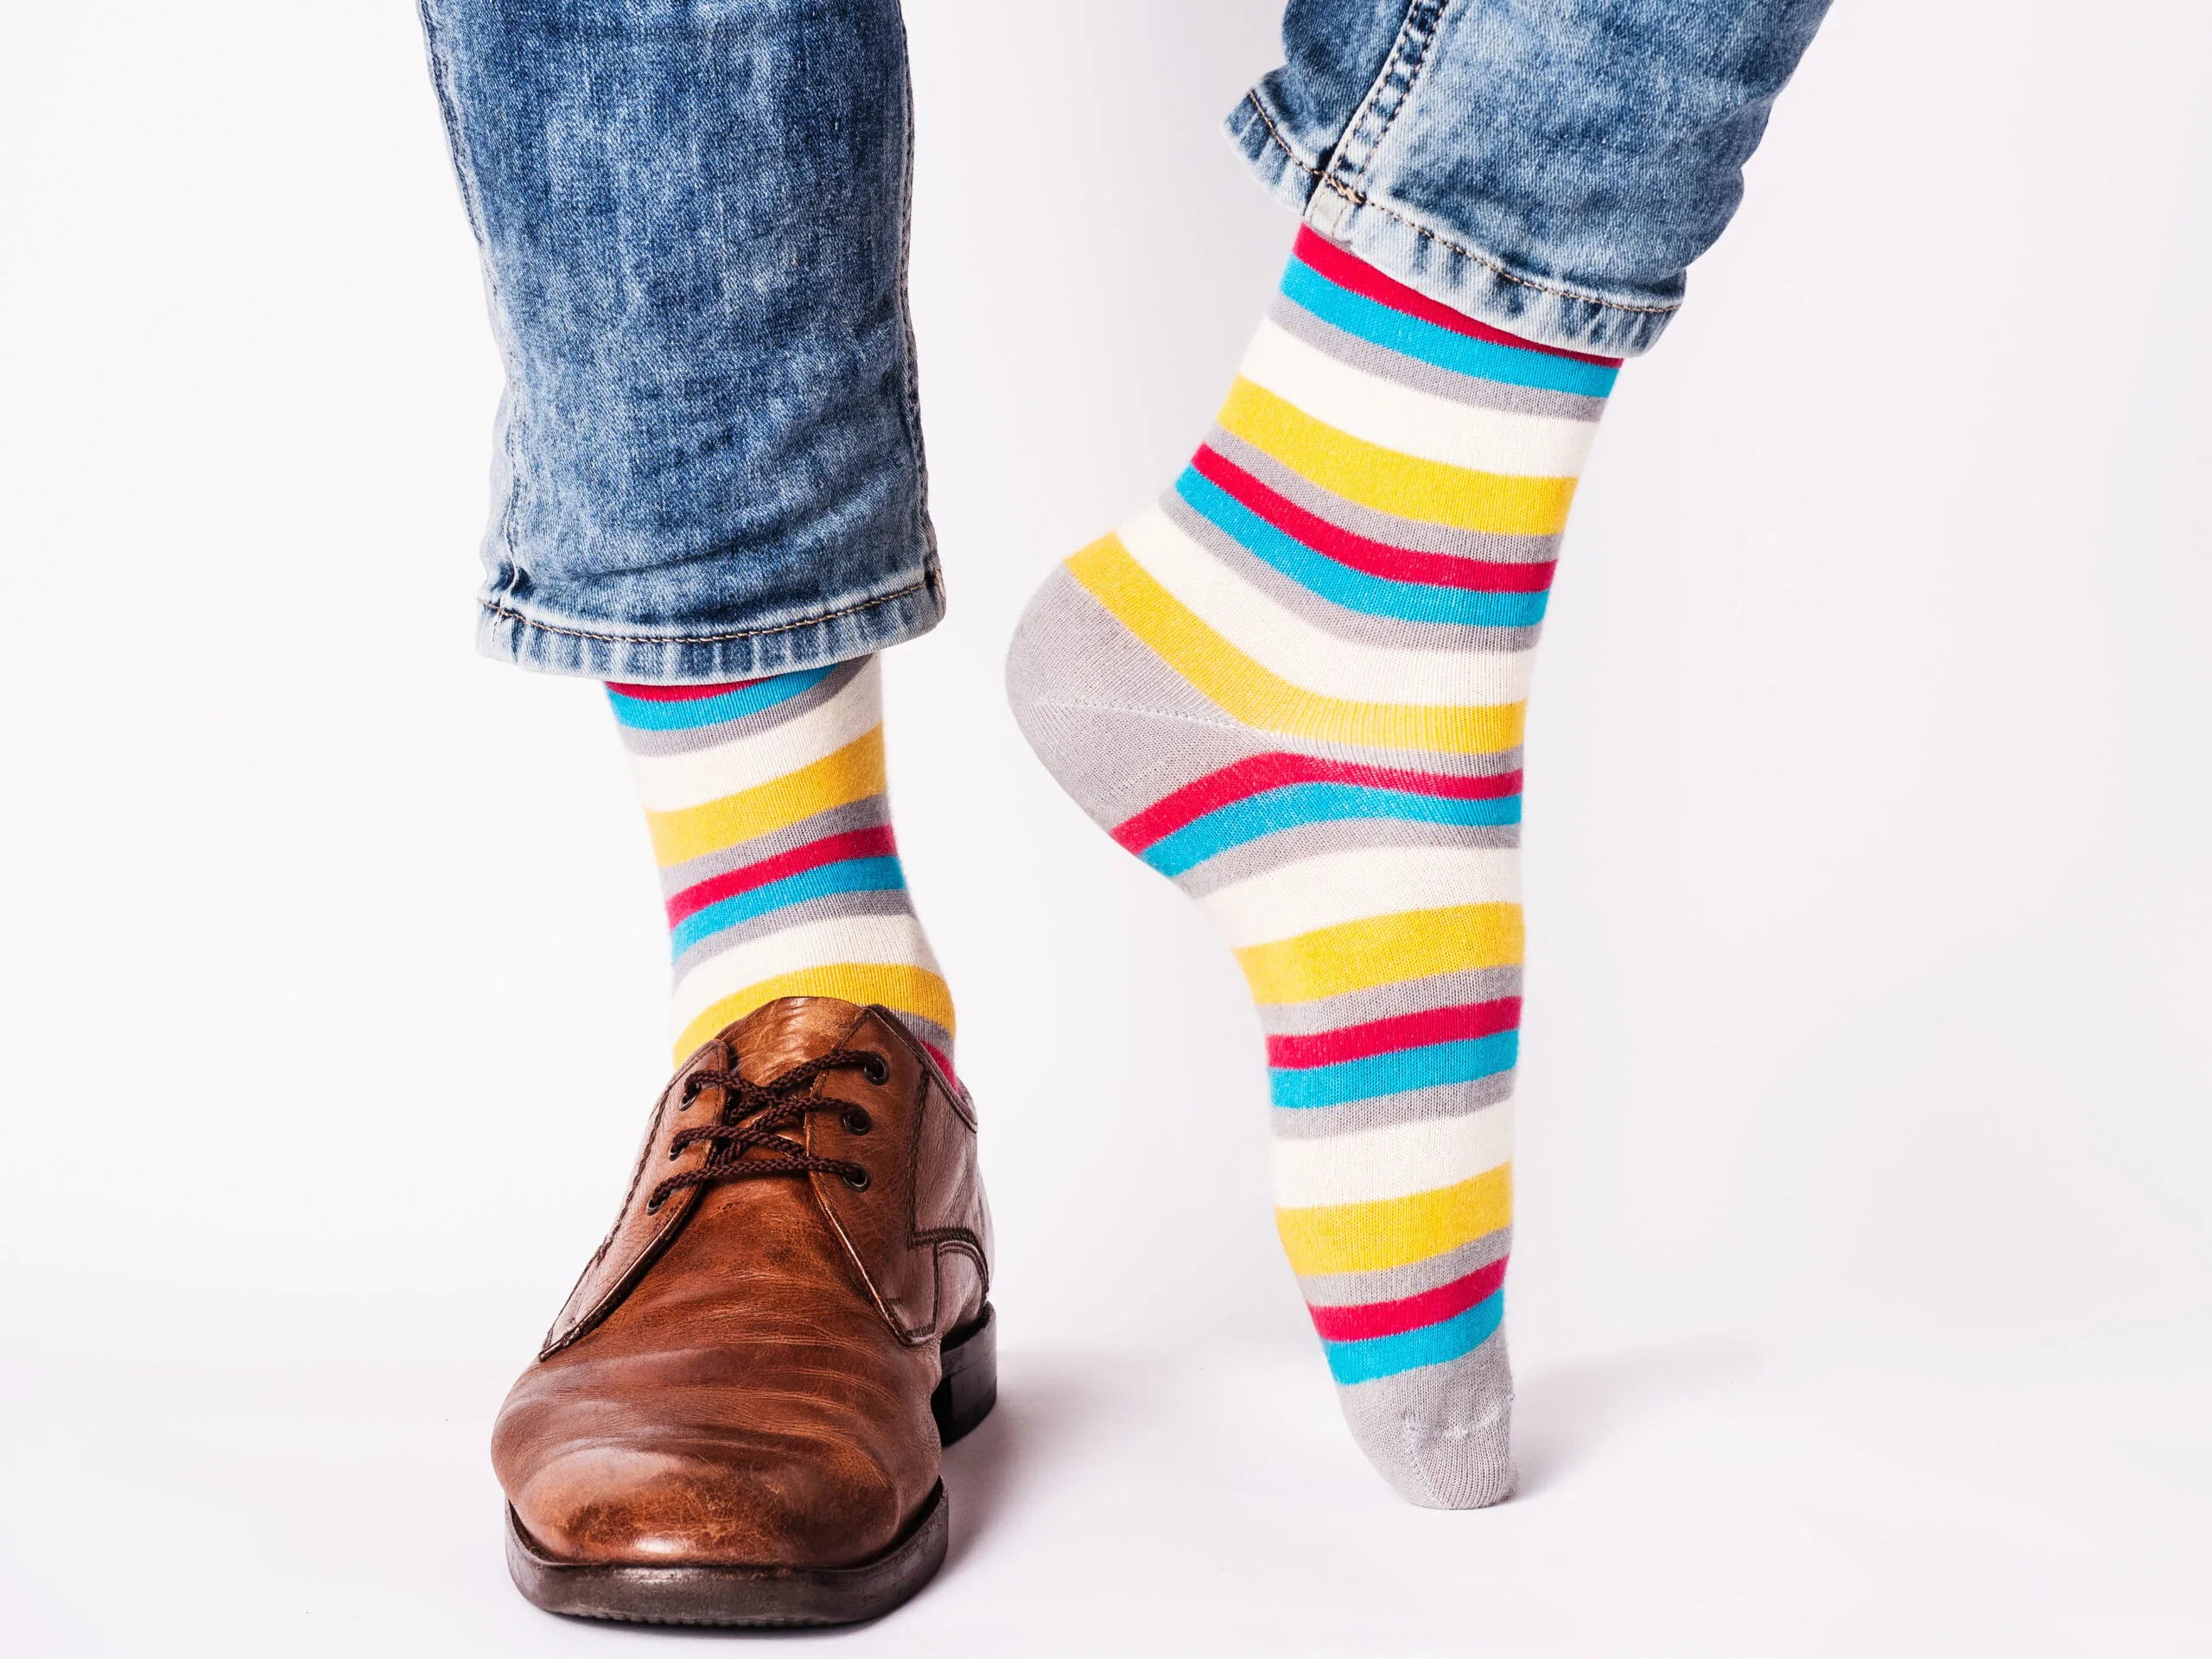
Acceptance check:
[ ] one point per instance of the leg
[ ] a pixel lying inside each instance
(711, 488)
(1551, 166)
(693, 221)
(710, 464)
(1295, 685)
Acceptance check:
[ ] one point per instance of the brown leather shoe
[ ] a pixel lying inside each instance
(738, 1416)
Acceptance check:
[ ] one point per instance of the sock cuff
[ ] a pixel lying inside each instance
(1347, 270)
(680, 693)
(674, 708)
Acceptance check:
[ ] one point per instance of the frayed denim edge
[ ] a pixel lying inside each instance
(1428, 261)
(571, 647)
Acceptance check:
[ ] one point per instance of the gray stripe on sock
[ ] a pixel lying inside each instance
(1226, 746)
(1387, 1002)
(1366, 628)
(1385, 1111)
(1201, 757)
(640, 740)
(829, 907)
(1344, 834)
(837, 821)
(1244, 742)
(1389, 1284)
(1294, 319)
(927, 1030)
(1413, 534)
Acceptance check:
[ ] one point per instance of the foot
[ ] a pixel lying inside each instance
(737, 1417)
(1295, 685)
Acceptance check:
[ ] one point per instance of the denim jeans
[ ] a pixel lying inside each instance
(693, 222)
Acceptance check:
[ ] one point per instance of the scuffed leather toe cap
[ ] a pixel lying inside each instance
(734, 1506)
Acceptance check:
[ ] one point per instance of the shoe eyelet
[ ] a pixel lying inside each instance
(856, 1179)
(653, 1205)
(877, 1070)
(856, 1119)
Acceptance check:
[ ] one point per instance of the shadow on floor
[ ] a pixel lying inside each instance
(986, 1471)
(1564, 1416)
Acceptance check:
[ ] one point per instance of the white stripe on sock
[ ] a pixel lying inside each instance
(868, 939)
(1393, 1163)
(669, 783)
(1287, 645)
(1349, 886)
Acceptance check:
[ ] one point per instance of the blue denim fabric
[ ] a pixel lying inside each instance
(693, 221)
(1551, 166)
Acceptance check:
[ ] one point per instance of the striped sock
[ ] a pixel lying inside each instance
(1295, 685)
(766, 799)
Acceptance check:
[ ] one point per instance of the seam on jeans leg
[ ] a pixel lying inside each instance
(498, 609)
(910, 376)
(1485, 261)
(1400, 74)
(457, 142)
(510, 509)
(471, 208)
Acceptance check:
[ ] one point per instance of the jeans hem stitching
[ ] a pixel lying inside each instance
(508, 613)
(1488, 262)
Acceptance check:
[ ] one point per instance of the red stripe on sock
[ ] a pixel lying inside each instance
(1402, 1031)
(681, 693)
(944, 1059)
(830, 850)
(1372, 557)
(1349, 270)
(1356, 1323)
(1264, 771)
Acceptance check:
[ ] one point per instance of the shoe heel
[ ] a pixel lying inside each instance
(970, 1384)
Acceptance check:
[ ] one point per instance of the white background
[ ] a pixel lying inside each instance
(1860, 1279)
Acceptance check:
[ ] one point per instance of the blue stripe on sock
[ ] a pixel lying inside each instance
(1464, 1061)
(653, 716)
(1395, 331)
(1356, 590)
(1295, 804)
(1432, 1344)
(850, 875)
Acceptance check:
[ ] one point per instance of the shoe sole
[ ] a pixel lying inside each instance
(776, 1597)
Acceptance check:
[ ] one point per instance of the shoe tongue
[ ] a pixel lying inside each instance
(778, 1035)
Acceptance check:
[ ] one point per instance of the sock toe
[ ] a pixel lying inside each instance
(1441, 1435)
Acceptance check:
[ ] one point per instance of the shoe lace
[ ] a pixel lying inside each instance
(754, 1116)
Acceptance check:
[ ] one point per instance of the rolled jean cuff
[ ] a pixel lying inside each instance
(1433, 260)
(855, 627)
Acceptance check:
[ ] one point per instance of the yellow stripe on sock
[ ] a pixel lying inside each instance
(1250, 693)
(849, 774)
(1380, 950)
(1397, 1232)
(898, 986)
(1431, 491)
